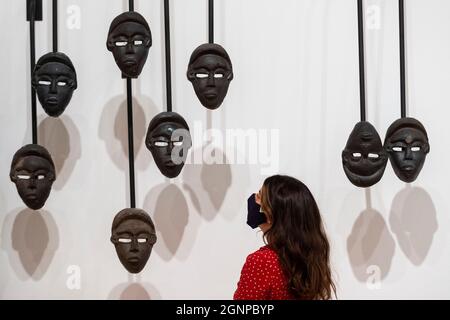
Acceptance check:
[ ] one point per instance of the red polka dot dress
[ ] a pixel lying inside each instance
(262, 278)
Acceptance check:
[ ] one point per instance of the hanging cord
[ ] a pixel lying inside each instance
(131, 143)
(32, 12)
(168, 64)
(362, 76)
(211, 20)
(130, 134)
(401, 10)
(55, 25)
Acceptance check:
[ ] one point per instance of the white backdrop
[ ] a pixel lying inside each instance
(296, 71)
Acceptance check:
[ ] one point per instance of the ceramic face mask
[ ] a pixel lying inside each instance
(169, 140)
(54, 79)
(33, 172)
(210, 71)
(364, 158)
(133, 235)
(129, 39)
(407, 145)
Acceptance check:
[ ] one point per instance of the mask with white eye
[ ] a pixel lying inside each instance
(407, 143)
(129, 40)
(210, 71)
(33, 173)
(54, 79)
(364, 158)
(169, 156)
(133, 236)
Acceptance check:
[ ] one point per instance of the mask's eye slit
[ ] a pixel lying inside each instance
(44, 82)
(121, 43)
(397, 149)
(124, 240)
(142, 240)
(356, 155)
(373, 156)
(138, 42)
(218, 75)
(61, 83)
(161, 144)
(41, 177)
(23, 177)
(415, 149)
(201, 75)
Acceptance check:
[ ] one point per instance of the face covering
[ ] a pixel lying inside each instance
(254, 216)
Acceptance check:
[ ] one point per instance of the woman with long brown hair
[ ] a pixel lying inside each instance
(295, 263)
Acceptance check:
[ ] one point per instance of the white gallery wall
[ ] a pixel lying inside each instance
(294, 100)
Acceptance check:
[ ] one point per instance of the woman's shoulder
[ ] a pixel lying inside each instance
(262, 254)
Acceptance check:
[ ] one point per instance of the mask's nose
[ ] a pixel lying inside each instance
(53, 87)
(130, 48)
(32, 183)
(134, 246)
(211, 80)
(408, 153)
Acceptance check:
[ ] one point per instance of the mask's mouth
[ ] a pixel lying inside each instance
(129, 62)
(364, 180)
(52, 100)
(210, 95)
(408, 168)
(169, 164)
(133, 260)
(31, 196)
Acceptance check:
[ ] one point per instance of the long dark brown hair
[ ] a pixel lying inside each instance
(298, 237)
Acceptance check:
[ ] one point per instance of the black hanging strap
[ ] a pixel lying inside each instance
(168, 64)
(131, 134)
(55, 25)
(131, 143)
(33, 7)
(401, 10)
(211, 20)
(362, 76)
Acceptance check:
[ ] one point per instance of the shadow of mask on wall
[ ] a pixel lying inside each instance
(133, 234)
(210, 71)
(54, 79)
(129, 40)
(169, 141)
(33, 172)
(407, 145)
(364, 158)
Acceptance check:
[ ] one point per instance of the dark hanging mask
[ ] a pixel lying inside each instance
(133, 235)
(54, 79)
(254, 215)
(210, 71)
(407, 145)
(169, 140)
(129, 39)
(364, 158)
(33, 172)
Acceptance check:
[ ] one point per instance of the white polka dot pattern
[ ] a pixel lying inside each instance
(262, 278)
